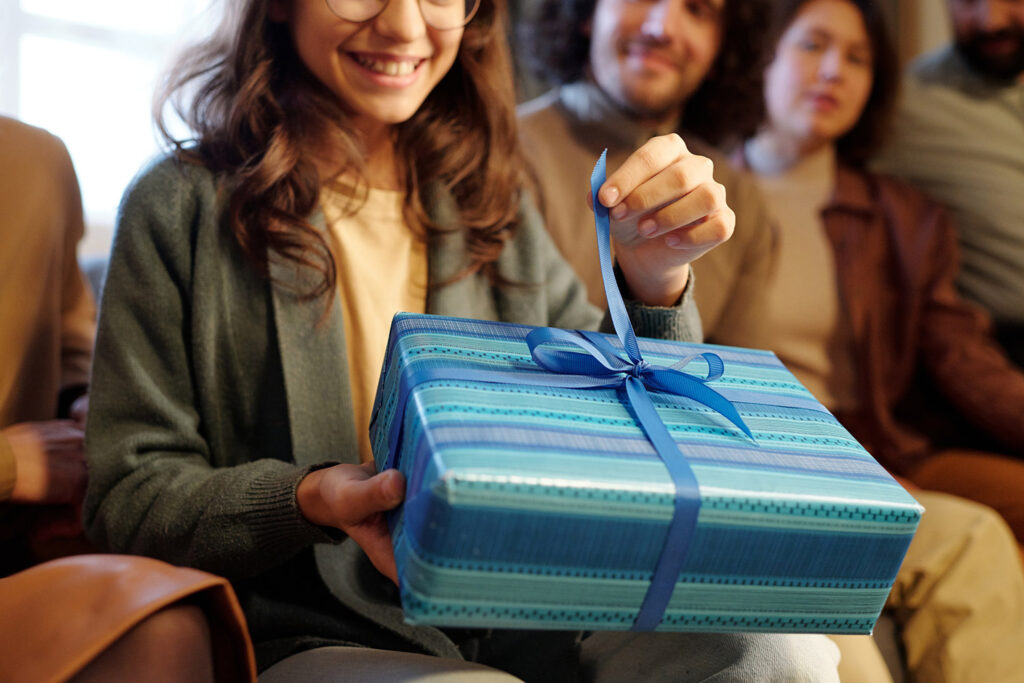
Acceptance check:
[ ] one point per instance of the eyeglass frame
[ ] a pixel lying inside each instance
(419, 4)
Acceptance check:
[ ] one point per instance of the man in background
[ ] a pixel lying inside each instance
(627, 71)
(959, 136)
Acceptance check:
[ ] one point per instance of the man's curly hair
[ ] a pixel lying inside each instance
(728, 105)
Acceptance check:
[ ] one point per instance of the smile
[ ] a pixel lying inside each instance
(388, 67)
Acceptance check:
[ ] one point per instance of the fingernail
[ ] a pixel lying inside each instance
(611, 195)
(673, 240)
(647, 227)
(619, 212)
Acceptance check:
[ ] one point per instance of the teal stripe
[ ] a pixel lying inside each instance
(654, 502)
(468, 597)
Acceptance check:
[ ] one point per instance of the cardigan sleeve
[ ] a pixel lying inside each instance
(959, 349)
(153, 488)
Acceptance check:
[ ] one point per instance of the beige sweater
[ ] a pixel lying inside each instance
(809, 331)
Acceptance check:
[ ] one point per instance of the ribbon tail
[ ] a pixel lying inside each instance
(684, 519)
(602, 224)
(682, 384)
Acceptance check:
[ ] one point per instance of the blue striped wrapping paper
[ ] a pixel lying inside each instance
(534, 507)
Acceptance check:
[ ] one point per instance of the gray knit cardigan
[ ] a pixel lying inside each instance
(213, 393)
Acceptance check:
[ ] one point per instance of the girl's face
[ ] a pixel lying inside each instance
(820, 79)
(383, 69)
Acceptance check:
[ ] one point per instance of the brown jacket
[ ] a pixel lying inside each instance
(58, 617)
(896, 258)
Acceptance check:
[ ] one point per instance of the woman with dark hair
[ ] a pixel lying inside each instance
(864, 303)
(880, 258)
(351, 159)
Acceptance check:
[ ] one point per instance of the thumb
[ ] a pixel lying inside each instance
(366, 497)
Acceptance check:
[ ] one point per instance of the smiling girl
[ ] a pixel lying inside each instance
(351, 159)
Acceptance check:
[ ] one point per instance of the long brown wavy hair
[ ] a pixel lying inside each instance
(258, 116)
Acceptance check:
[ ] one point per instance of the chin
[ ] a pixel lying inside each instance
(649, 106)
(393, 115)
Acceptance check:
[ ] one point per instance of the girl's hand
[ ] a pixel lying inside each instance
(353, 498)
(666, 211)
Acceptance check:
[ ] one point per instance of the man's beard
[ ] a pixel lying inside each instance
(1004, 66)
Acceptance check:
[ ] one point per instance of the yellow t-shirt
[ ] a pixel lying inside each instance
(382, 270)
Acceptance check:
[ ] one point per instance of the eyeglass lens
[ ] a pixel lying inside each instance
(441, 14)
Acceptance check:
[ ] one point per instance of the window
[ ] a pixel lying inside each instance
(86, 71)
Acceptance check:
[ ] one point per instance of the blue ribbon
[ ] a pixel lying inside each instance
(638, 376)
(602, 365)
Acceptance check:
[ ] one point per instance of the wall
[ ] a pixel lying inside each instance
(922, 26)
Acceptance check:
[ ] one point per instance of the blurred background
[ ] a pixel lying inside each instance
(86, 71)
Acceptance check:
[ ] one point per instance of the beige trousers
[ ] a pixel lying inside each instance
(958, 601)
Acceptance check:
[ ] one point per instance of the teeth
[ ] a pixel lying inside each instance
(387, 67)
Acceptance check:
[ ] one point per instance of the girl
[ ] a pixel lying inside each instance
(352, 158)
(863, 300)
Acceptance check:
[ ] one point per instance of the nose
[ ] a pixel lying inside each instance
(666, 20)
(831, 66)
(401, 20)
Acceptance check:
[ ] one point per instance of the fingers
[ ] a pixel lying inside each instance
(357, 497)
(352, 498)
(375, 540)
(661, 188)
(48, 439)
(685, 205)
(656, 155)
(703, 234)
(50, 462)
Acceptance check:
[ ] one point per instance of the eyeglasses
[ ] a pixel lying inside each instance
(443, 15)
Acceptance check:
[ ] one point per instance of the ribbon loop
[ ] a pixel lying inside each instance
(600, 359)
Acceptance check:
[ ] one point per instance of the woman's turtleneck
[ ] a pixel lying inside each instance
(807, 330)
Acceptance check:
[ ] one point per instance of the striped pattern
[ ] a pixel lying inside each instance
(540, 507)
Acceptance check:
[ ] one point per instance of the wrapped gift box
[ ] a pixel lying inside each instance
(534, 506)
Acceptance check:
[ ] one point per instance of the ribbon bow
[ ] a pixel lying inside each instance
(604, 366)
